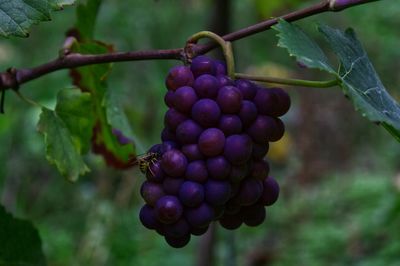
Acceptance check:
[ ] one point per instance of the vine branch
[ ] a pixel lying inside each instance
(13, 78)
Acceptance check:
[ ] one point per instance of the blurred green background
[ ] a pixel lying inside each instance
(339, 173)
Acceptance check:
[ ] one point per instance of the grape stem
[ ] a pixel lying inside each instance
(13, 79)
(226, 48)
(293, 82)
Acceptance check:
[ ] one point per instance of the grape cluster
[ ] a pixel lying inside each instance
(210, 164)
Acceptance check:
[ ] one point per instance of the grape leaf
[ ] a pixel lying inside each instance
(301, 46)
(356, 75)
(20, 243)
(17, 16)
(86, 18)
(60, 148)
(76, 110)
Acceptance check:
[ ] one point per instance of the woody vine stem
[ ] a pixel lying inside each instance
(13, 78)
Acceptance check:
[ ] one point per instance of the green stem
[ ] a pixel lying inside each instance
(226, 48)
(25, 99)
(293, 82)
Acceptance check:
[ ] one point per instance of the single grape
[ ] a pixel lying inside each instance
(229, 99)
(169, 98)
(173, 118)
(218, 167)
(148, 218)
(206, 86)
(231, 222)
(151, 192)
(270, 192)
(156, 148)
(211, 142)
(239, 172)
(250, 191)
(196, 171)
(238, 149)
(168, 135)
(179, 76)
(167, 146)
(206, 112)
(260, 150)
(202, 65)
(283, 102)
(232, 207)
(247, 88)
(267, 102)
(247, 113)
(200, 216)
(191, 194)
(217, 192)
(188, 132)
(184, 99)
(198, 231)
(279, 130)
(230, 124)
(253, 215)
(168, 209)
(155, 172)
(192, 152)
(220, 68)
(173, 163)
(224, 81)
(262, 129)
(178, 242)
(177, 229)
(259, 170)
(172, 185)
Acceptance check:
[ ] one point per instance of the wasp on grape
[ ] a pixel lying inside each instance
(145, 161)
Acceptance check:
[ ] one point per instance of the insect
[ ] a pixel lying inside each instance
(145, 161)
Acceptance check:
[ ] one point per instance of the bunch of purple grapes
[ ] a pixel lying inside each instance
(210, 165)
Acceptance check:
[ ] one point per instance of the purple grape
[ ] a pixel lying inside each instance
(200, 216)
(229, 99)
(172, 185)
(279, 130)
(206, 86)
(270, 192)
(262, 129)
(188, 132)
(191, 193)
(238, 149)
(250, 191)
(218, 212)
(122, 139)
(198, 231)
(168, 135)
(168, 145)
(206, 112)
(239, 172)
(232, 207)
(179, 76)
(230, 124)
(224, 81)
(230, 222)
(247, 88)
(147, 217)
(283, 102)
(173, 163)
(156, 148)
(253, 215)
(196, 171)
(184, 99)
(260, 150)
(259, 170)
(151, 192)
(178, 242)
(178, 229)
(211, 142)
(217, 192)
(266, 101)
(220, 68)
(168, 209)
(173, 118)
(202, 65)
(248, 113)
(192, 152)
(155, 173)
(218, 167)
(169, 98)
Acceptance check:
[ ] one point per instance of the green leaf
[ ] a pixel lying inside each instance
(115, 115)
(86, 18)
(356, 75)
(75, 108)
(60, 148)
(20, 243)
(17, 16)
(360, 82)
(301, 46)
